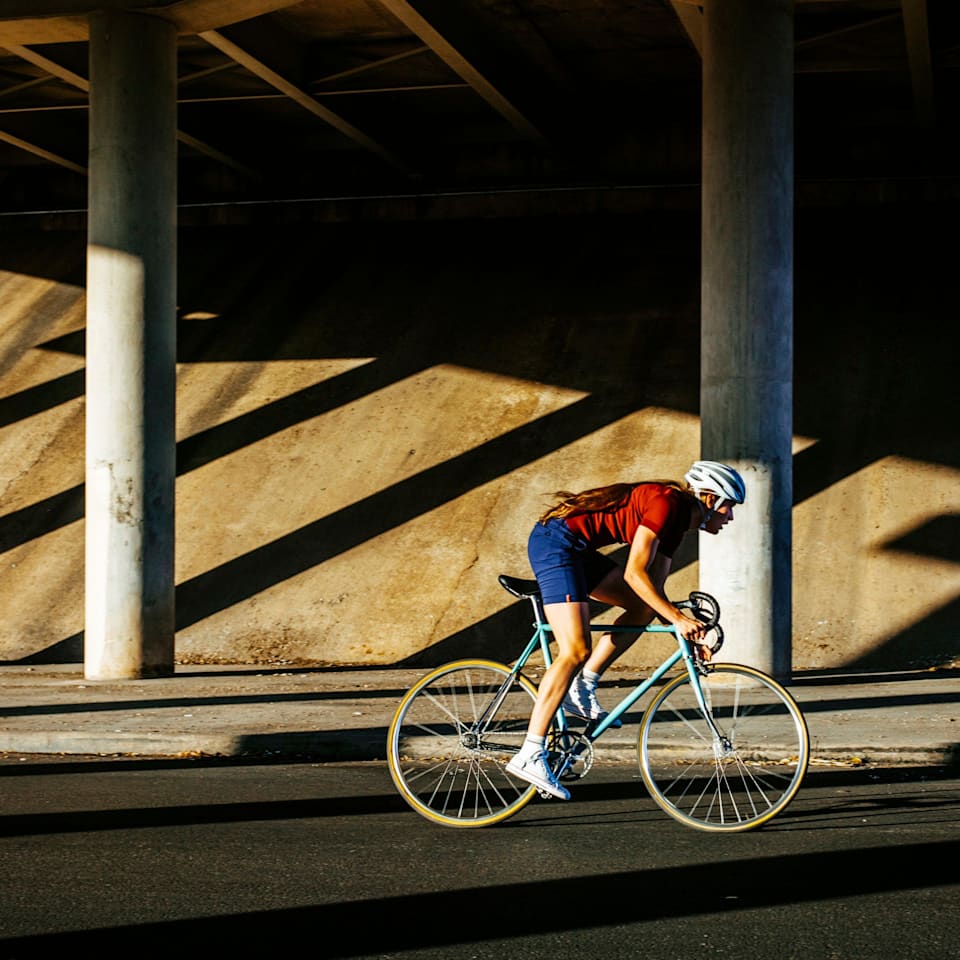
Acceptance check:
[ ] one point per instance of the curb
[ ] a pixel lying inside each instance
(362, 747)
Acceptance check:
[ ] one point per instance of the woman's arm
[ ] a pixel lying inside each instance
(645, 574)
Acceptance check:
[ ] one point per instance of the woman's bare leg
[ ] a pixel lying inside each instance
(570, 623)
(614, 591)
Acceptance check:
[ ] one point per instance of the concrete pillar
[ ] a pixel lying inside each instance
(746, 395)
(131, 348)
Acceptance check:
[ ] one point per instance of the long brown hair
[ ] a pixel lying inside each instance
(598, 498)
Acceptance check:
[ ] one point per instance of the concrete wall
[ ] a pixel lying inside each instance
(371, 415)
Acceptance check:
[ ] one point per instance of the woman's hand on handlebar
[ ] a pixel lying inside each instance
(689, 628)
(695, 631)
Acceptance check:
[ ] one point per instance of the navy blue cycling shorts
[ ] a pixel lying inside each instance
(567, 570)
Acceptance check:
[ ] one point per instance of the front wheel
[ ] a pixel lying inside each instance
(736, 773)
(452, 737)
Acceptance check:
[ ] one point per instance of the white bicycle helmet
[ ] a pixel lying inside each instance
(708, 476)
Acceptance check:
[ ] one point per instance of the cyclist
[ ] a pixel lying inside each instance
(652, 517)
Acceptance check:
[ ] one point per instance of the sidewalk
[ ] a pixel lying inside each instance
(344, 714)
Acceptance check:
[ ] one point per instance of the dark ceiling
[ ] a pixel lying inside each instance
(356, 98)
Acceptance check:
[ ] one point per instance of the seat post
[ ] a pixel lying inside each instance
(540, 617)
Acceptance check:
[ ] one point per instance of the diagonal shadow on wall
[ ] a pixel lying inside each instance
(929, 642)
(45, 516)
(865, 308)
(389, 508)
(935, 639)
(33, 400)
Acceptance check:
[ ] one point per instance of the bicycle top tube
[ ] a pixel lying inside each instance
(623, 628)
(704, 606)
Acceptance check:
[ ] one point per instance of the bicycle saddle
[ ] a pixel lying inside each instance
(525, 589)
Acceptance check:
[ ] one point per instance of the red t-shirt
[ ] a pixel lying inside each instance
(662, 509)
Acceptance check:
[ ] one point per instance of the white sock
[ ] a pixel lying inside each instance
(531, 746)
(590, 679)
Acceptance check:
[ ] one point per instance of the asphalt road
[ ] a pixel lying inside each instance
(218, 858)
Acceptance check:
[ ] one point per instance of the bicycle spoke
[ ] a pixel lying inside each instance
(440, 704)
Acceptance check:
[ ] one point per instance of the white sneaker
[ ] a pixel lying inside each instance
(582, 701)
(537, 771)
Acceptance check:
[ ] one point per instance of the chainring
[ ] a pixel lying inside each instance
(570, 754)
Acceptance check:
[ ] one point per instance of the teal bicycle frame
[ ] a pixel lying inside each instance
(456, 730)
(541, 640)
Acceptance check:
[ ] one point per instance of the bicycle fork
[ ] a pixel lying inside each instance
(721, 742)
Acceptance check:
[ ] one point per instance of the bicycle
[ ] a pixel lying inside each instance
(722, 747)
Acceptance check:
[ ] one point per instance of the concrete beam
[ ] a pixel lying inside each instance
(38, 151)
(50, 66)
(301, 97)
(44, 30)
(66, 21)
(81, 83)
(455, 58)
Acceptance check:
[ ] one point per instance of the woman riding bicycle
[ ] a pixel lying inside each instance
(652, 517)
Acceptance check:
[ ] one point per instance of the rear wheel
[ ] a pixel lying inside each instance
(739, 779)
(451, 739)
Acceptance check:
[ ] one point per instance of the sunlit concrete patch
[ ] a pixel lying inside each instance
(41, 455)
(853, 589)
(41, 592)
(209, 394)
(33, 310)
(41, 390)
(323, 464)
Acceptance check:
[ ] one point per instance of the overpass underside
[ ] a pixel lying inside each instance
(375, 416)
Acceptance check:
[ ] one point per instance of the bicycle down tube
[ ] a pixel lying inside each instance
(541, 639)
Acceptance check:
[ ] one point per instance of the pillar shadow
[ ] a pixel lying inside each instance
(391, 507)
(930, 642)
(44, 396)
